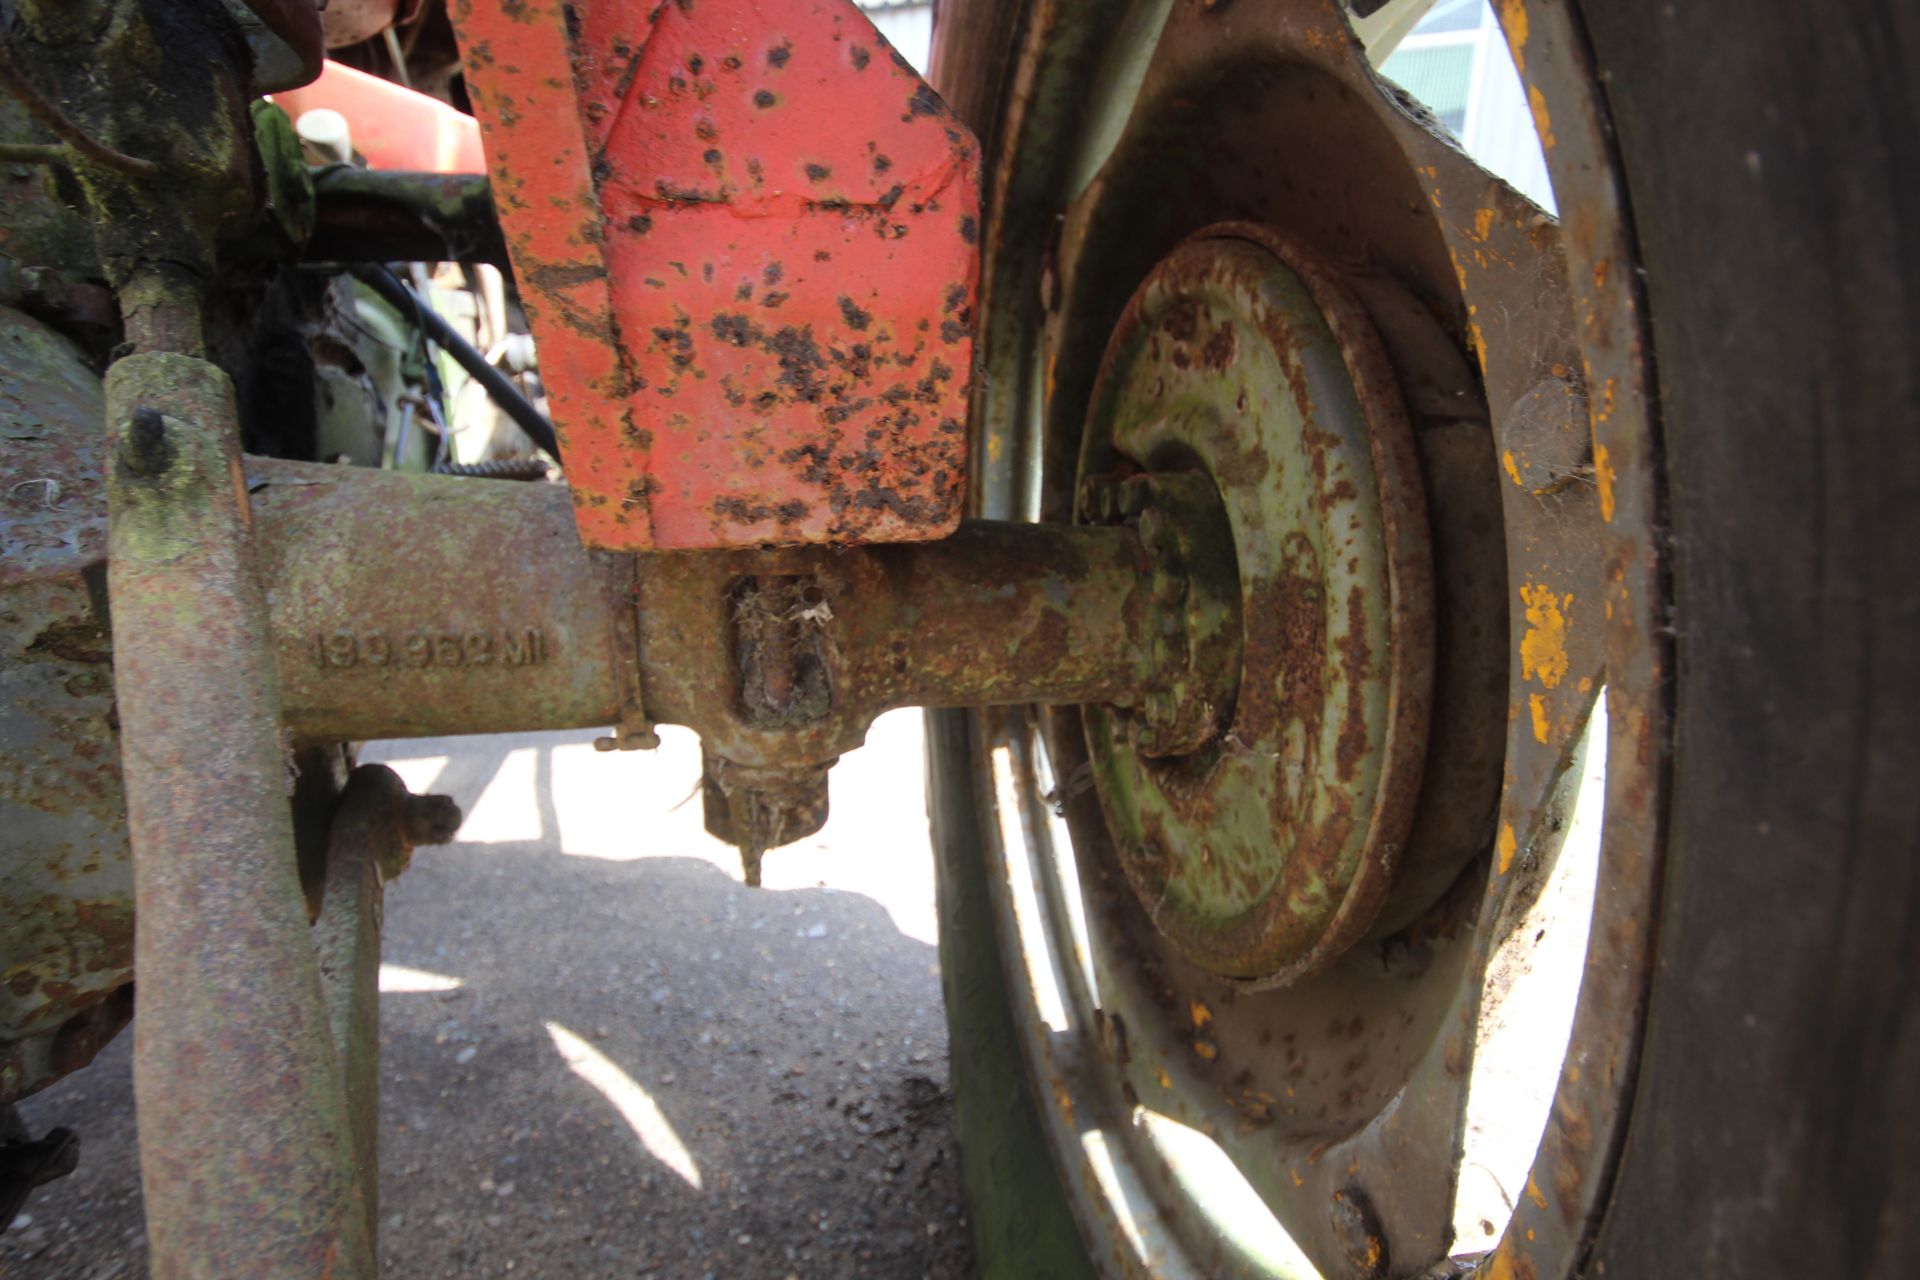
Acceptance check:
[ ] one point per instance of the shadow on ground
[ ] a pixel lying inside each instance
(619, 1062)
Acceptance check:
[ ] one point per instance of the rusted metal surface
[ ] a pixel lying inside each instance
(776, 221)
(246, 1152)
(384, 216)
(509, 623)
(755, 810)
(1194, 605)
(997, 613)
(1269, 852)
(780, 658)
(375, 829)
(66, 888)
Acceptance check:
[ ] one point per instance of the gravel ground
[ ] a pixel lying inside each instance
(603, 1055)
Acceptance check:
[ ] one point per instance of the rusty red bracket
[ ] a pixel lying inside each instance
(746, 233)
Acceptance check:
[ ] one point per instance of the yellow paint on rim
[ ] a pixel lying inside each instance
(1504, 847)
(1513, 17)
(1542, 122)
(1543, 650)
(1603, 474)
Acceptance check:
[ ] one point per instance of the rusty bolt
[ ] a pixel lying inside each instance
(1097, 500)
(628, 739)
(1153, 526)
(757, 809)
(145, 448)
(430, 820)
(1550, 442)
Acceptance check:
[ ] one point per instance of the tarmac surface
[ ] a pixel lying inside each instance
(604, 1056)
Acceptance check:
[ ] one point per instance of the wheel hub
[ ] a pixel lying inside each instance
(1267, 849)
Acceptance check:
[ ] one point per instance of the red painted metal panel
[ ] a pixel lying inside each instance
(776, 221)
(394, 128)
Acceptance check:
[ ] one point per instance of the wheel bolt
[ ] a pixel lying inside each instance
(145, 446)
(1152, 525)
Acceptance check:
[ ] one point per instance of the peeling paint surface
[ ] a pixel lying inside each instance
(784, 232)
(1543, 649)
(66, 887)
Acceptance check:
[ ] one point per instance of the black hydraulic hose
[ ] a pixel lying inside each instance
(498, 385)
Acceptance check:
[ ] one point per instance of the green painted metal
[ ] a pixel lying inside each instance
(1266, 850)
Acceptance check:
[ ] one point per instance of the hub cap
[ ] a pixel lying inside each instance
(1268, 850)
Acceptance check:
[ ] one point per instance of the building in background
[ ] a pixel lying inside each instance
(1456, 62)
(907, 25)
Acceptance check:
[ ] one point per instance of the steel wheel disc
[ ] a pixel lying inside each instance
(1270, 850)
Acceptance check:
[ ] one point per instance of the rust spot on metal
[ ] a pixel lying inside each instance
(855, 317)
(1356, 658)
(1218, 353)
(925, 102)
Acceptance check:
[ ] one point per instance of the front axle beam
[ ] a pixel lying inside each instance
(421, 606)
